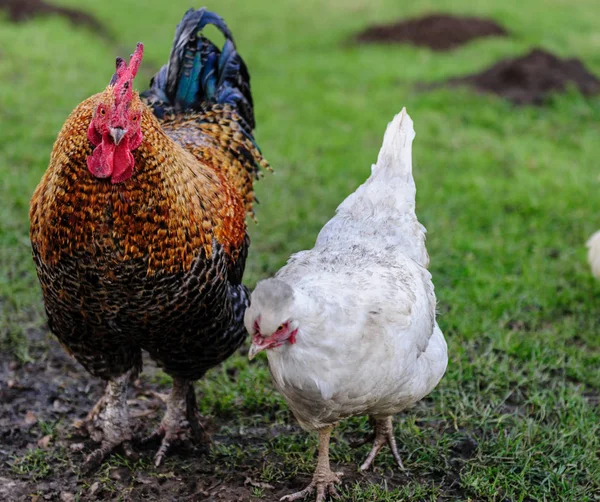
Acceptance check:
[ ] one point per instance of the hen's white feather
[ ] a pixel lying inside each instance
(363, 302)
(383, 208)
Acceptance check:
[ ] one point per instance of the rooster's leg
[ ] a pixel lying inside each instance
(384, 434)
(180, 422)
(110, 415)
(324, 480)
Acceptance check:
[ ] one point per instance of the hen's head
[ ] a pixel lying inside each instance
(269, 318)
(115, 129)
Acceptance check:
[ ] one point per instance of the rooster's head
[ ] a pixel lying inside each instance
(115, 129)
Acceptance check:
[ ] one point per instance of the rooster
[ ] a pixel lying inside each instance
(138, 227)
(349, 326)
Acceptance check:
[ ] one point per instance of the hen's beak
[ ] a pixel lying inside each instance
(117, 134)
(254, 350)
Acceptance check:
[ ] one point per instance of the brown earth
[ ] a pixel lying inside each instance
(531, 79)
(23, 10)
(41, 452)
(439, 32)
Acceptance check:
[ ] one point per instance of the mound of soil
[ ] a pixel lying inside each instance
(439, 32)
(22, 10)
(532, 78)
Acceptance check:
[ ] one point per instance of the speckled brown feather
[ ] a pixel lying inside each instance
(152, 263)
(216, 137)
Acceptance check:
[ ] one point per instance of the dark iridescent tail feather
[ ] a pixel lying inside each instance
(198, 74)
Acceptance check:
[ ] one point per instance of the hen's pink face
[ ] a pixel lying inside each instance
(115, 129)
(285, 333)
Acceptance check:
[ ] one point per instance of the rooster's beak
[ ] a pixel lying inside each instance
(254, 350)
(117, 134)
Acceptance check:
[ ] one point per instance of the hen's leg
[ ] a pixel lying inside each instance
(180, 422)
(110, 417)
(384, 434)
(324, 480)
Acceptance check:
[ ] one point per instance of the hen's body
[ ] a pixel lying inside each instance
(153, 263)
(362, 307)
(366, 303)
(389, 354)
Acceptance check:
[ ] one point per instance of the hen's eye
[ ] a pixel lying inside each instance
(135, 117)
(102, 111)
(280, 328)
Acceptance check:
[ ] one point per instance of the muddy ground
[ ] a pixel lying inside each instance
(23, 10)
(531, 79)
(41, 452)
(440, 32)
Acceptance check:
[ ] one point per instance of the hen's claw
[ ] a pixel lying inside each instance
(384, 434)
(324, 480)
(322, 483)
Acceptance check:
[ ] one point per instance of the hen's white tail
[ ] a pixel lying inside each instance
(382, 211)
(594, 253)
(395, 157)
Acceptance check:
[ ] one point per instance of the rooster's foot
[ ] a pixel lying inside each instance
(181, 421)
(108, 423)
(384, 434)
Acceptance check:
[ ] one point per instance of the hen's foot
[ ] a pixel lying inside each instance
(324, 480)
(323, 483)
(181, 421)
(108, 423)
(384, 434)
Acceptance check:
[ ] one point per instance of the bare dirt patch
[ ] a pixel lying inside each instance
(23, 10)
(41, 452)
(439, 32)
(531, 79)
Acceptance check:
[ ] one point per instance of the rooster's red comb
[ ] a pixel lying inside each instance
(122, 80)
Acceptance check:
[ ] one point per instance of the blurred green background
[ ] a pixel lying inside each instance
(508, 195)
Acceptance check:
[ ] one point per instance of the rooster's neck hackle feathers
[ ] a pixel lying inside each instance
(171, 207)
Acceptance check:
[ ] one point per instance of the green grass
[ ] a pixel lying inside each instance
(36, 463)
(508, 195)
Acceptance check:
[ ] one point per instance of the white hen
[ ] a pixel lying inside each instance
(593, 245)
(350, 325)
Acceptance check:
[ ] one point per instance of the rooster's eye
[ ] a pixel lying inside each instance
(135, 117)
